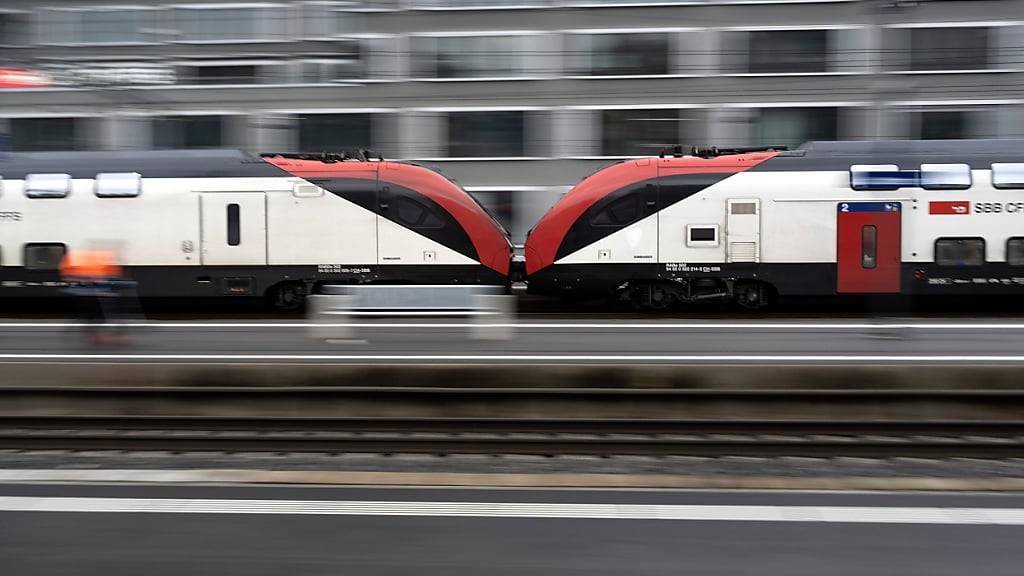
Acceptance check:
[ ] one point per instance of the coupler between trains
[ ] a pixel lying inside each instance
(656, 295)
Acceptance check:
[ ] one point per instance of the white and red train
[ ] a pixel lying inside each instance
(221, 222)
(890, 217)
(893, 217)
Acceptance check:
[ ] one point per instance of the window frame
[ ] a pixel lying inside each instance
(922, 180)
(98, 181)
(234, 223)
(690, 243)
(427, 212)
(984, 251)
(869, 260)
(29, 245)
(999, 166)
(45, 193)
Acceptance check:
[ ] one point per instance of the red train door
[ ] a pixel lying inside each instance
(868, 249)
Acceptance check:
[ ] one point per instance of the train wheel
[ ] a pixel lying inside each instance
(753, 296)
(287, 296)
(652, 297)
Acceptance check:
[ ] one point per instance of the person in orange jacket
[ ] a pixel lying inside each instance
(92, 277)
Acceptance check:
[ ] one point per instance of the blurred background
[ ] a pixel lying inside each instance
(515, 99)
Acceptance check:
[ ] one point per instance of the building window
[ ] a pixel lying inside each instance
(638, 132)
(98, 26)
(44, 256)
(14, 28)
(469, 57)
(1007, 175)
(486, 134)
(216, 24)
(780, 51)
(221, 74)
(949, 48)
(701, 236)
(960, 251)
(1015, 251)
(942, 124)
(638, 54)
(945, 176)
(44, 134)
(171, 132)
(794, 126)
(335, 132)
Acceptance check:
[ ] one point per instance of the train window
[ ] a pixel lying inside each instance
(869, 247)
(416, 215)
(960, 251)
(619, 212)
(234, 225)
(47, 185)
(44, 256)
(882, 177)
(1015, 251)
(118, 185)
(701, 235)
(945, 176)
(1008, 175)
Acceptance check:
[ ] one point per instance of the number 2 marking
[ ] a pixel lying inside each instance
(844, 207)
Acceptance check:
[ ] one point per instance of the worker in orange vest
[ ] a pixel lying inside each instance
(92, 277)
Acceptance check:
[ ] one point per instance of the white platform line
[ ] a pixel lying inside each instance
(830, 514)
(546, 325)
(692, 358)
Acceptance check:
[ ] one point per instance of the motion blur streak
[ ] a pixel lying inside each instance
(838, 514)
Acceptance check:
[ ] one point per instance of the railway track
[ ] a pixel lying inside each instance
(493, 436)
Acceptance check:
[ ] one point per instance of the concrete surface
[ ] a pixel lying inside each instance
(310, 531)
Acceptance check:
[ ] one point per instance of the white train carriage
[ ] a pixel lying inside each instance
(888, 217)
(223, 223)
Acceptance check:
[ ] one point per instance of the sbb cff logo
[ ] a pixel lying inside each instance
(957, 207)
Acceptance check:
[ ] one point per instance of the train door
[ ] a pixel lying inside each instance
(233, 228)
(868, 247)
(743, 230)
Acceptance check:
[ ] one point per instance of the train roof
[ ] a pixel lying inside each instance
(209, 163)
(906, 154)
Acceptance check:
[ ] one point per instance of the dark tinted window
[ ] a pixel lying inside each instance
(794, 126)
(869, 247)
(42, 134)
(1015, 251)
(960, 251)
(638, 132)
(416, 215)
(334, 132)
(44, 256)
(188, 132)
(941, 125)
(952, 48)
(621, 54)
(486, 134)
(234, 228)
(706, 234)
(620, 212)
(774, 51)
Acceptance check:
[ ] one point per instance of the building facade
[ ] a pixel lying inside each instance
(516, 99)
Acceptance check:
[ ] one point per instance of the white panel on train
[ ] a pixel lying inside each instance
(312, 228)
(743, 230)
(234, 228)
(400, 245)
(635, 244)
